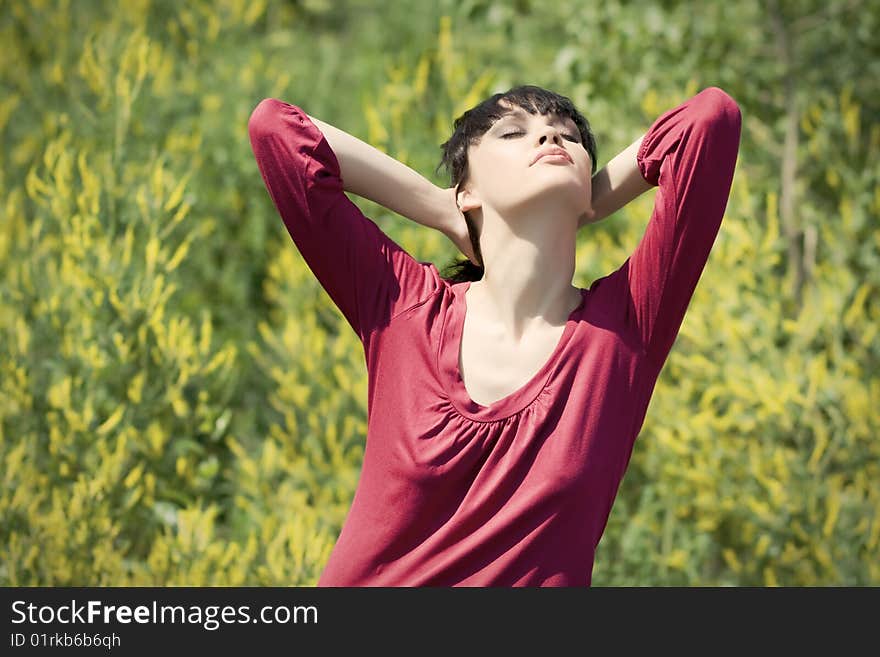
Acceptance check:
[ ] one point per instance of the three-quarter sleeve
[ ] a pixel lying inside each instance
(367, 275)
(690, 153)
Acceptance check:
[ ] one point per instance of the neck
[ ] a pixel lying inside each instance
(529, 267)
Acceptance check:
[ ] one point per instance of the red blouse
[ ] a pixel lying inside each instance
(518, 493)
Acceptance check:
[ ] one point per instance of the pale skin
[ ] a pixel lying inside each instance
(517, 312)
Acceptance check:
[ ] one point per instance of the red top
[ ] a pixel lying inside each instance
(518, 493)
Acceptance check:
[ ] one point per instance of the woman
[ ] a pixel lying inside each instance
(503, 402)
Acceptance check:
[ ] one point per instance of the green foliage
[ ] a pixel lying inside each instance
(181, 403)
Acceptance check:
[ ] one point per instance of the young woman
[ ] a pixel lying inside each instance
(503, 401)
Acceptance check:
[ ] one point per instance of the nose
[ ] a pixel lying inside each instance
(550, 133)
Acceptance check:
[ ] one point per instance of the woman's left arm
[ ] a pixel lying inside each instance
(690, 154)
(616, 184)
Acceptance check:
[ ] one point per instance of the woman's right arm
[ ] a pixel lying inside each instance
(370, 173)
(369, 277)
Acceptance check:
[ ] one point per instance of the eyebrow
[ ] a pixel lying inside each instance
(520, 113)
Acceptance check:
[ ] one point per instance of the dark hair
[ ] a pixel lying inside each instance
(469, 128)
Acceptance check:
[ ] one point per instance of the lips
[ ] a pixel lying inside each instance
(553, 151)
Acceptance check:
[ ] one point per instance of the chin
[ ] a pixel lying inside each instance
(561, 189)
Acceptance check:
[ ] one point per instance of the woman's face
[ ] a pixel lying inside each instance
(504, 174)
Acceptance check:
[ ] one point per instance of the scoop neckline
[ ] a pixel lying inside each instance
(450, 374)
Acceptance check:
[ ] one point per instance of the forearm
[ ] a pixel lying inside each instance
(617, 183)
(374, 175)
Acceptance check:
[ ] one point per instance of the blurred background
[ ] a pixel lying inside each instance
(182, 404)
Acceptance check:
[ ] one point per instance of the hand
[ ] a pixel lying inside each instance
(589, 217)
(453, 224)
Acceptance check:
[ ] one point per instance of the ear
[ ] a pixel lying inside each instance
(467, 200)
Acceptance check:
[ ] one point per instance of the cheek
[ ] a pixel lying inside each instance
(499, 170)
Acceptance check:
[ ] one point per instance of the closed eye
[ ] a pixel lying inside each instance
(520, 132)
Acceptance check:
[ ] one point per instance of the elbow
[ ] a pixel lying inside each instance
(264, 118)
(719, 108)
(720, 120)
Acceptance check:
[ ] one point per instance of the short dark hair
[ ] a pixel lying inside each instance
(469, 128)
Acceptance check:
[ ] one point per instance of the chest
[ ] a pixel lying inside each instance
(493, 366)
